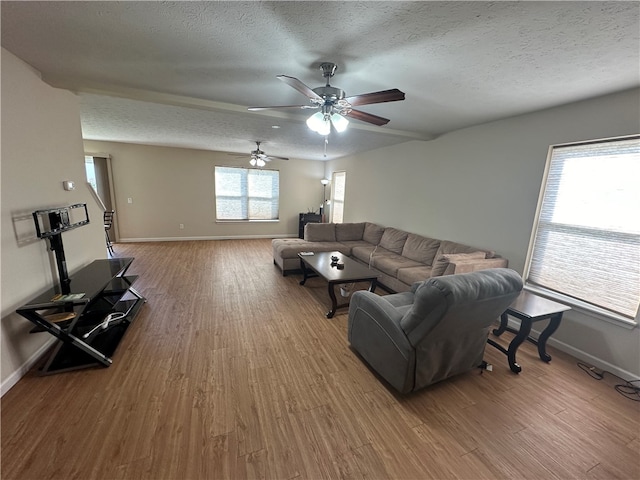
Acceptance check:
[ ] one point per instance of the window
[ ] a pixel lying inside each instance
(585, 245)
(246, 194)
(338, 182)
(90, 170)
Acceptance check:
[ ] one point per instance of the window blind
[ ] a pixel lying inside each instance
(246, 194)
(587, 238)
(337, 196)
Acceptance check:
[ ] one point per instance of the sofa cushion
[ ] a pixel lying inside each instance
(393, 239)
(372, 233)
(421, 249)
(448, 248)
(363, 252)
(290, 249)
(320, 232)
(349, 232)
(411, 275)
(390, 264)
(443, 261)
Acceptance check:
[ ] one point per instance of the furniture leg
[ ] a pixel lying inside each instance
(374, 284)
(503, 325)
(554, 323)
(304, 272)
(334, 301)
(523, 334)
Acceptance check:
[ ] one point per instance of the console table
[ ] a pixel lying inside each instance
(89, 318)
(529, 308)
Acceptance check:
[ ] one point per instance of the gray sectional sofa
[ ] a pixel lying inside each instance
(400, 258)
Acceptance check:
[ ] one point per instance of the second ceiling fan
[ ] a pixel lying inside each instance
(334, 105)
(259, 158)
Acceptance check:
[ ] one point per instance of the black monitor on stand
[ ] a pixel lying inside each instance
(51, 223)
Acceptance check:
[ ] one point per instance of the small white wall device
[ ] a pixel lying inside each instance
(69, 185)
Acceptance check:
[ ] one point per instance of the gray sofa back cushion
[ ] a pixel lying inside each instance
(421, 249)
(393, 239)
(320, 232)
(349, 232)
(372, 233)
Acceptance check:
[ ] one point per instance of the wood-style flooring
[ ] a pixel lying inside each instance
(232, 371)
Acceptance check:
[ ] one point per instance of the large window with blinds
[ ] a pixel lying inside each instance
(244, 194)
(585, 245)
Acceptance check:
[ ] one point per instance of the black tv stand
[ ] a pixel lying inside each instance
(89, 316)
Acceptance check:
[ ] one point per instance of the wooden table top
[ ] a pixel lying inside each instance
(320, 262)
(533, 306)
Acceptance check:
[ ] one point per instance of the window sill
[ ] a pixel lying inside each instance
(248, 221)
(584, 308)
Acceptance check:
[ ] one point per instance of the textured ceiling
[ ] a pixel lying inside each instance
(184, 73)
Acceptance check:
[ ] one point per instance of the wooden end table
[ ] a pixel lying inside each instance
(320, 265)
(529, 308)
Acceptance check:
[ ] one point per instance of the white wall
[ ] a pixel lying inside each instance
(173, 186)
(41, 147)
(480, 186)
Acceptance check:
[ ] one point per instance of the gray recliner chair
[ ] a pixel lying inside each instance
(436, 330)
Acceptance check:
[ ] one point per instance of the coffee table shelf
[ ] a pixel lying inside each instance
(320, 264)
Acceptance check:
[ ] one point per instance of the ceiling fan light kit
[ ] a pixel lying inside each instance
(334, 104)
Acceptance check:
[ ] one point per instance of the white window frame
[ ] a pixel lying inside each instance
(534, 278)
(337, 196)
(247, 198)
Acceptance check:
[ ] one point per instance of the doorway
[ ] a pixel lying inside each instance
(98, 169)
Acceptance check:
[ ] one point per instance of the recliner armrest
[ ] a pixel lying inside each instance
(374, 332)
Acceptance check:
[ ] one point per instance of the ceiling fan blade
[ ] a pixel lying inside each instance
(253, 109)
(367, 117)
(392, 95)
(301, 87)
(273, 157)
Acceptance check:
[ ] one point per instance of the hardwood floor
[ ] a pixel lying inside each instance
(233, 371)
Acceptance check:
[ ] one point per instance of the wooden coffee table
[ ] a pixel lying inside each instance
(320, 265)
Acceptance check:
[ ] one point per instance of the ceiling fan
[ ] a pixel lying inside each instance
(334, 105)
(259, 158)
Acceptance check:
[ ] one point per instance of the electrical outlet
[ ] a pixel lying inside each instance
(129, 200)
(182, 226)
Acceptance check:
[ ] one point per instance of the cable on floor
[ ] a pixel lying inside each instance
(629, 389)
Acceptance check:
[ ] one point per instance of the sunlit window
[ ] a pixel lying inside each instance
(338, 185)
(246, 194)
(586, 241)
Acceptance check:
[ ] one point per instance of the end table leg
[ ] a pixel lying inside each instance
(504, 318)
(554, 323)
(523, 334)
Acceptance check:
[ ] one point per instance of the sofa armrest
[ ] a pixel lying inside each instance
(473, 265)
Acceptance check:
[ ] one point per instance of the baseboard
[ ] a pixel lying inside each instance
(185, 239)
(15, 377)
(591, 360)
(582, 355)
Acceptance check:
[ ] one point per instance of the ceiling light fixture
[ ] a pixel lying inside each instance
(321, 122)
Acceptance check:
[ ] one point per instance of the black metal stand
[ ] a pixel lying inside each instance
(100, 305)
